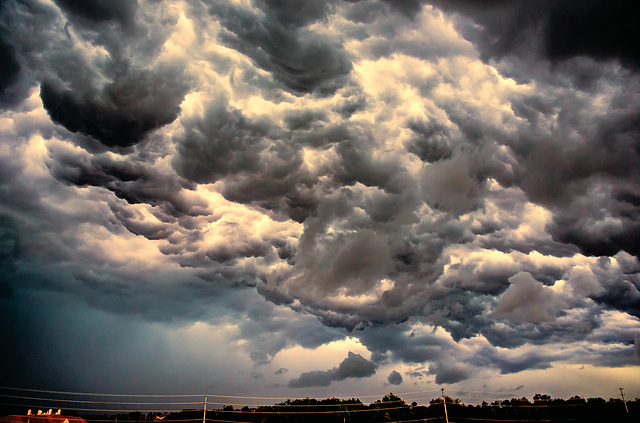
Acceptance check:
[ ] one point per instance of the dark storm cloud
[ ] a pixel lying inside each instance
(98, 11)
(431, 142)
(9, 74)
(581, 181)
(109, 114)
(460, 219)
(446, 361)
(450, 372)
(90, 95)
(304, 119)
(223, 143)
(559, 175)
(18, 21)
(394, 378)
(9, 251)
(281, 43)
(260, 167)
(354, 366)
(409, 8)
(559, 30)
(135, 182)
(533, 360)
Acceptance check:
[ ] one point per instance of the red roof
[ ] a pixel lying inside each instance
(41, 418)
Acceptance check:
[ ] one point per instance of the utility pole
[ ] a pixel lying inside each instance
(444, 403)
(623, 401)
(204, 414)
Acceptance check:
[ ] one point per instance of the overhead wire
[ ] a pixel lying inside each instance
(99, 402)
(101, 395)
(153, 406)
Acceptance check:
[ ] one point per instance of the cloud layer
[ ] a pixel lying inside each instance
(455, 187)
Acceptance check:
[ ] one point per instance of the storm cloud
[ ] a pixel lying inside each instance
(448, 189)
(354, 366)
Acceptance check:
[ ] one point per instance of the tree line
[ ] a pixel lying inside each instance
(392, 408)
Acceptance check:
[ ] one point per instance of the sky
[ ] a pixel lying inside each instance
(346, 198)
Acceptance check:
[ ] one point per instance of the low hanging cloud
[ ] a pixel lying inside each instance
(394, 378)
(354, 366)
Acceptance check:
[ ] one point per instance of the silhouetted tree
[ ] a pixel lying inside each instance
(448, 399)
(541, 398)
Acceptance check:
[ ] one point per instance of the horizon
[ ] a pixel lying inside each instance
(355, 196)
(213, 403)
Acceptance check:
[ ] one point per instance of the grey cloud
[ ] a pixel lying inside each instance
(9, 252)
(506, 365)
(98, 11)
(354, 366)
(281, 371)
(109, 115)
(407, 7)
(16, 43)
(313, 378)
(223, 143)
(401, 347)
(84, 94)
(376, 28)
(447, 372)
(258, 166)
(363, 11)
(356, 164)
(10, 91)
(289, 14)
(452, 185)
(579, 182)
(135, 182)
(361, 259)
(527, 300)
(281, 43)
(604, 29)
(369, 219)
(607, 156)
(431, 142)
(394, 378)
(304, 119)
(621, 292)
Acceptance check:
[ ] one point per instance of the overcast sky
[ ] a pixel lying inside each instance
(320, 198)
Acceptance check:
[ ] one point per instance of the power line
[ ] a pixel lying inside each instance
(198, 395)
(100, 402)
(101, 395)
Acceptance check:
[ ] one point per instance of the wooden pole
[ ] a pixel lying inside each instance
(623, 401)
(204, 413)
(444, 403)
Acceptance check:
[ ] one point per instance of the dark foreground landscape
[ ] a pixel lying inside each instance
(390, 409)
